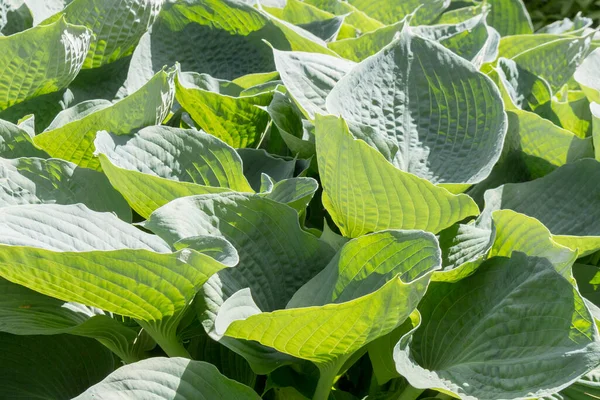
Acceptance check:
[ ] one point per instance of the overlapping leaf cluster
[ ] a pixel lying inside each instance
(287, 199)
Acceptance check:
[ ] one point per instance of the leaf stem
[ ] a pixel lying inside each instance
(326, 381)
(168, 342)
(410, 393)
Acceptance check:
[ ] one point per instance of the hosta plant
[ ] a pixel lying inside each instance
(298, 199)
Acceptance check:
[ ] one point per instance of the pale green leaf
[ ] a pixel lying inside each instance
(457, 138)
(510, 17)
(586, 388)
(359, 48)
(217, 108)
(309, 78)
(168, 379)
(43, 9)
(115, 37)
(595, 111)
(544, 62)
(346, 305)
(58, 49)
(327, 30)
(224, 39)
(514, 329)
(571, 113)
(75, 141)
(26, 312)
(565, 201)
(395, 10)
(383, 197)
(258, 162)
(274, 262)
(159, 164)
(356, 17)
(586, 76)
(16, 142)
(51, 367)
(53, 181)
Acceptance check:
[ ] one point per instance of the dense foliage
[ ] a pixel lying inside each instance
(217, 199)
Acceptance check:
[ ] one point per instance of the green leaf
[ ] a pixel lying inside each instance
(595, 111)
(53, 181)
(557, 71)
(383, 197)
(510, 17)
(274, 262)
(117, 36)
(99, 260)
(585, 75)
(51, 367)
(514, 329)
(588, 278)
(159, 164)
(347, 304)
(356, 17)
(308, 16)
(328, 30)
(58, 49)
(565, 201)
(75, 141)
(456, 139)
(225, 39)
(26, 312)
(295, 192)
(359, 48)
(309, 77)
(16, 142)
(168, 378)
(258, 162)
(585, 388)
(571, 113)
(541, 145)
(219, 109)
(43, 9)
(15, 17)
(395, 10)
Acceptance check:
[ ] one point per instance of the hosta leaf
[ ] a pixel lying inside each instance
(225, 41)
(564, 201)
(344, 307)
(308, 16)
(585, 388)
(288, 120)
(383, 197)
(274, 262)
(168, 379)
(239, 218)
(541, 145)
(566, 25)
(15, 142)
(43, 9)
(51, 367)
(26, 312)
(395, 10)
(58, 51)
(328, 30)
(159, 164)
(514, 329)
(295, 192)
(359, 48)
(588, 278)
(355, 17)
(595, 111)
(99, 261)
(116, 36)
(510, 17)
(309, 77)
(542, 60)
(75, 140)
(15, 17)
(513, 45)
(463, 108)
(456, 14)
(525, 90)
(258, 162)
(53, 181)
(586, 76)
(571, 113)
(238, 120)
(518, 232)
